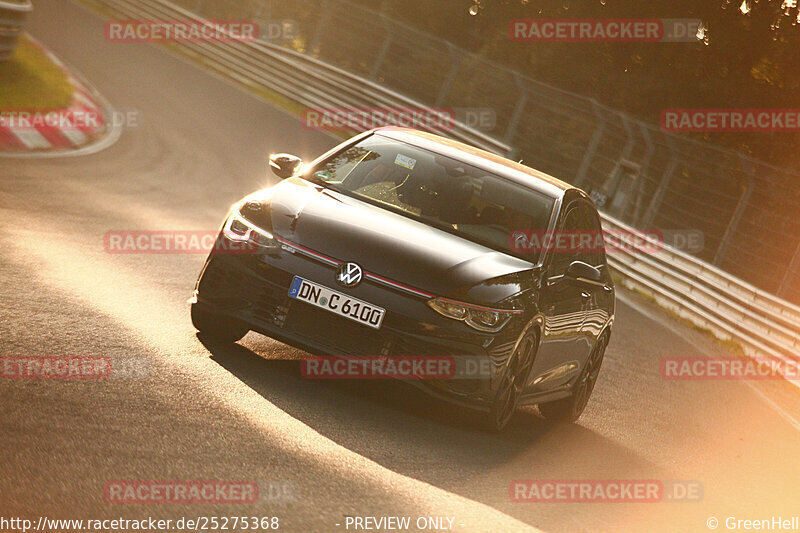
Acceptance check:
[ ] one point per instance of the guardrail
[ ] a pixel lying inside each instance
(296, 76)
(763, 324)
(12, 19)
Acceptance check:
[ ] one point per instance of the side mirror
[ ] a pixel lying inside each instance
(284, 165)
(583, 273)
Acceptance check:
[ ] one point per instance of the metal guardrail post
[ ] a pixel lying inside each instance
(597, 136)
(734, 223)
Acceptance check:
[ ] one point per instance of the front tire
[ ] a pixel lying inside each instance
(216, 328)
(570, 409)
(512, 383)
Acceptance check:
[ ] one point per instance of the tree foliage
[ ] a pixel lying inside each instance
(747, 60)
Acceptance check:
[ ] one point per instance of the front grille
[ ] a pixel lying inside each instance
(262, 289)
(407, 345)
(327, 329)
(272, 288)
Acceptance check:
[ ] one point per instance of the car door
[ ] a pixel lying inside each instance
(563, 348)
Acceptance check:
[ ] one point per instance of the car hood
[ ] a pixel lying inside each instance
(391, 245)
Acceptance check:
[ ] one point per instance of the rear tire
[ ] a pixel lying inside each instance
(570, 409)
(216, 328)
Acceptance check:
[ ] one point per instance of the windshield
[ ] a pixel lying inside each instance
(437, 190)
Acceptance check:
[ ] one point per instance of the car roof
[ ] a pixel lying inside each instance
(494, 163)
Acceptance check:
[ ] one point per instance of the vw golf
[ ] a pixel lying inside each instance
(403, 243)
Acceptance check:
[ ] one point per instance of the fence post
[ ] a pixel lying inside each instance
(597, 136)
(645, 168)
(737, 215)
(448, 82)
(666, 179)
(387, 43)
(792, 272)
(325, 10)
(263, 15)
(519, 109)
(631, 142)
(658, 197)
(651, 149)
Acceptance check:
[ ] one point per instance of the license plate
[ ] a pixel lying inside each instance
(336, 302)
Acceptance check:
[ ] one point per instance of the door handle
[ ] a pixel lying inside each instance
(585, 295)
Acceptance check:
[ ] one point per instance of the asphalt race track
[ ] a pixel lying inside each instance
(185, 411)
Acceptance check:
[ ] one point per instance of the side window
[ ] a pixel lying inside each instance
(592, 247)
(562, 256)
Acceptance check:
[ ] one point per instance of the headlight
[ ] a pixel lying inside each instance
(448, 308)
(475, 316)
(238, 229)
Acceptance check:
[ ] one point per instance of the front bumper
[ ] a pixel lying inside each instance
(253, 288)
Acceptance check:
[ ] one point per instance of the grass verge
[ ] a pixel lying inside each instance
(31, 80)
(731, 345)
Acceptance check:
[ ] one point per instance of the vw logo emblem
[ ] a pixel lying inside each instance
(349, 275)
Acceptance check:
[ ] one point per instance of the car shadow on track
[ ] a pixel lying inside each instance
(409, 432)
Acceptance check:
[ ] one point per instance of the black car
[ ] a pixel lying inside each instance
(416, 234)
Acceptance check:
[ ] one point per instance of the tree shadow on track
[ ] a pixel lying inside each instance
(411, 433)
